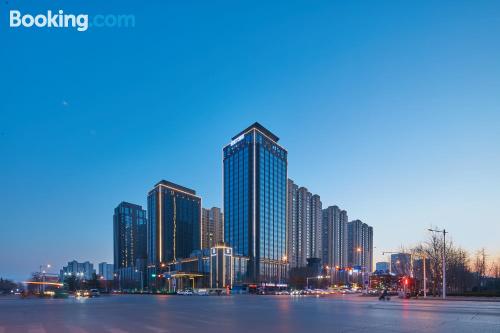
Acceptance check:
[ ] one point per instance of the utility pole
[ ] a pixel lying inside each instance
(444, 258)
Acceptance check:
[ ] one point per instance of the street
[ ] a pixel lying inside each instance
(245, 313)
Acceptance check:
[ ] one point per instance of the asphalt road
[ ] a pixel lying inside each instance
(246, 313)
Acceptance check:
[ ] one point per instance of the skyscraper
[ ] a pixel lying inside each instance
(315, 227)
(360, 245)
(335, 237)
(255, 190)
(174, 223)
(304, 220)
(212, 226)
(130, 235)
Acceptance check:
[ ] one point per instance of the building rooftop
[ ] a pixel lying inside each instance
(259, 127)
(129, 204)
(175, 186)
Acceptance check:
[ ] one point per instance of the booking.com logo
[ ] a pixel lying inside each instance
(80, 22)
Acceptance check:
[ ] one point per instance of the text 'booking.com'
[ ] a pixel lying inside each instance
(61, 20)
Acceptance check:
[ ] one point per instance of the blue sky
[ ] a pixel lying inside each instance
(389, 109)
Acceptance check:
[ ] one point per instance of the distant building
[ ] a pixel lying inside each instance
(335, 240)
(174, 223)
(360, 245)
(212, 226)
(106, 271)
(255, 190)
(382, 266)
(304, 220)
(130, 235)
(401, 263)
(82, 271)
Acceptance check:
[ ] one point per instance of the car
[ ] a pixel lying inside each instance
(185, 292)
(94, 293)
(61, 294)
(202, 292)
(81, 293)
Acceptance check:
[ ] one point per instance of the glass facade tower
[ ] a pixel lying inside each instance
(255, 190)
(174, 223)
(129, 231)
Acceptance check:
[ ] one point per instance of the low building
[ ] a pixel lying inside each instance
(216, 267)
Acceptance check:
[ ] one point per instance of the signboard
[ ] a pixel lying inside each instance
(238, 139)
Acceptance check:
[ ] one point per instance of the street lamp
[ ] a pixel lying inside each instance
(390, 261)
(42, 273)
(313, 277)
(444, 257)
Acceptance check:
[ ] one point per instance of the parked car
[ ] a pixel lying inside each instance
(202, 292)
(185, 292)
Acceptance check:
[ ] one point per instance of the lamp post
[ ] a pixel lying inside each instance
(42, 273)
(444, 257)
(390, 261)
(424, 258)
(363, 268)
(319, 277)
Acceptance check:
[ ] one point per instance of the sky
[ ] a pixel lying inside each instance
(388, 109)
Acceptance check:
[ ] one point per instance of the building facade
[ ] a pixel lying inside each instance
(382, 267)
(81, 270)
(212, 226)
(255, 190)
(360, 245)
(106, 271)
(174, 223)
(130, 235)
(401, 264)
(215, 267)
(335, 241)
(221, 266)
(304, 220)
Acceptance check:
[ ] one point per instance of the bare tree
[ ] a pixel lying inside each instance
(480, 267)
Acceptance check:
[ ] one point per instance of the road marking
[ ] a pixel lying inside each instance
(154, 329)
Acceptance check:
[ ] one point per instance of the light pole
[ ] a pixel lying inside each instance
(363, 268)
(42, 273)
(424, 273)
(319, 277)
(390, 261)
(444, 258)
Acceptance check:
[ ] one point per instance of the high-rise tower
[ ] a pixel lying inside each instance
(255, 191)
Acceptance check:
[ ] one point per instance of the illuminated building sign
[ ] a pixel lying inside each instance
(238, 139)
